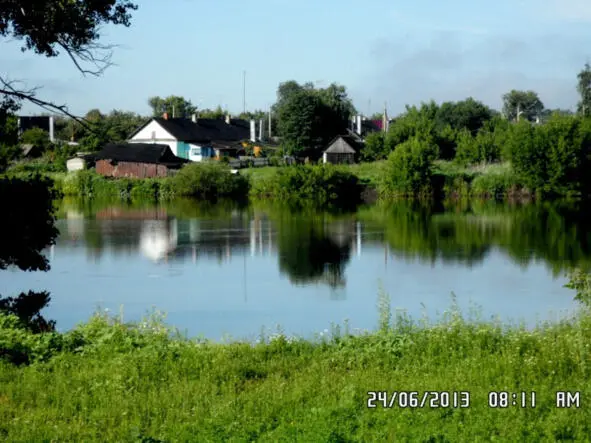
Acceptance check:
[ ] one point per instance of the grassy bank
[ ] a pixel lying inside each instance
(203, 181)
(110, 381)
(497, 180)
(321, 184)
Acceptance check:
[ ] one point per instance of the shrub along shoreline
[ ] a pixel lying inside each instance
(320, 185)
(411, 171)
(107, 380)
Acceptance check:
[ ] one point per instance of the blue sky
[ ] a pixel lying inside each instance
(390, 51)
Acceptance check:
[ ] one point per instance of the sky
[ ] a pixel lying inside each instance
(386, 52)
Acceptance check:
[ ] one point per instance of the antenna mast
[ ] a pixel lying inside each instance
(244, 91)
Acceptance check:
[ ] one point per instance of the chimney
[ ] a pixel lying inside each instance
(228, 119)
(359, 124)
(253, 133)
(51, 130)
(165, 116)
(194, 118)
(261, 129)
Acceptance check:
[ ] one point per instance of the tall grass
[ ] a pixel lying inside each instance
(111, 381)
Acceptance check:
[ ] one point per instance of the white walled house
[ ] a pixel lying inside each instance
(194, 139)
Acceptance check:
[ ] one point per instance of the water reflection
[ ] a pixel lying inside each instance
(225, 268)
(317, 247)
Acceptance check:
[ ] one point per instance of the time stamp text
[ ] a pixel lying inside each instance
(462, 399)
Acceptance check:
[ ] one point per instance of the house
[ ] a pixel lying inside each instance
(140, 160)
(342, 149)
(195, 139)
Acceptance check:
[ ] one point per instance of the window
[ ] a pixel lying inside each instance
(153, 135)
(196, 151)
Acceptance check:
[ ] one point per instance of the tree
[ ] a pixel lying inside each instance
(8, 138)
(50, 26)
(584, 90)
(374, 148)
(173, 105)
(37, 137)
(308, 118)
(522, 104)
(469, 114)
(217, 113)
(296, 121)
(408, 170)
(47, 27)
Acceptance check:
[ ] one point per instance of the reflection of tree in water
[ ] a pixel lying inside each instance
(312, 250)
(558, 234)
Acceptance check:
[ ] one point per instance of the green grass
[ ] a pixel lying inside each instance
(366, 172)
(257, 174)
(117, 382)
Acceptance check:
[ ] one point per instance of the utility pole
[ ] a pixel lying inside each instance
(518, 112)
(244, 92)
(269, 123)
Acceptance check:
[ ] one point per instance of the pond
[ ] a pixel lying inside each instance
(220, 270)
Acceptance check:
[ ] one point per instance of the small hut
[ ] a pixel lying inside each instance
(343, 149)
(139, 160)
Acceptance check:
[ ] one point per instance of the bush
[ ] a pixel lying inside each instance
(482, 148)
(88, 183)
(496, 185)
(209, 181)
(553, 158)
(408, 170)
(375, 148)
(318, 184)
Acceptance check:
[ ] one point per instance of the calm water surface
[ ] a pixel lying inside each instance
(222, 270)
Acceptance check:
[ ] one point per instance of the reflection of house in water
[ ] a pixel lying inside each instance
(223, 239)
(158, 238)
(75, 223)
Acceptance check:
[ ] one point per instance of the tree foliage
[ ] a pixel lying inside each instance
(553, 158)
(584, 90)
(50, 26)
(409, 168)
(375, 147)
(173, 105)
(442, 123)
(518, 105)
(309, 118)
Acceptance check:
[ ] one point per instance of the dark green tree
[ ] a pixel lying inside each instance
(522, 105)
(174, 105)
(374, 148)
(53, 26)
(584, 90)
(217, 113)
(37, 137)
(9, 150)
(408, 170)
(469, 114)
(308, 118)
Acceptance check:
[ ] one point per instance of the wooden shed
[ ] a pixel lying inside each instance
(343, 149)
(139, 160)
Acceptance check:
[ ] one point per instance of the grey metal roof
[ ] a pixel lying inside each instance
(343, 144)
